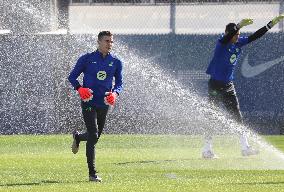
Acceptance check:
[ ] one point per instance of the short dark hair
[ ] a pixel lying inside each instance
(104, 33)
(231, 28)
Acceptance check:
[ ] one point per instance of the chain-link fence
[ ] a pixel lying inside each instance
(136, 16)
(163, 17)
(164, 1)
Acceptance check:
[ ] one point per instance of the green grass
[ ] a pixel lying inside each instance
(137, 163)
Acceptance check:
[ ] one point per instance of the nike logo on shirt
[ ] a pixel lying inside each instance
(250, 71)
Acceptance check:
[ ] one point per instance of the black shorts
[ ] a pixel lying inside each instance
(94, 118)
(224, 93)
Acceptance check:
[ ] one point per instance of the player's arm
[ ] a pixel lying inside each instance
(118, 79)
(110, 98)
(85, 93)
(76, 72)
(229, 34)
(259, 33)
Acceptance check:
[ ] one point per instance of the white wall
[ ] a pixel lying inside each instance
(119, 19)
(213, 18)
(209, 18)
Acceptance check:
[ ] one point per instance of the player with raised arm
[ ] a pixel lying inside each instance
(221, 70)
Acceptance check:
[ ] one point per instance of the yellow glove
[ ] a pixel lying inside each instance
(276, 20)
(245, 22)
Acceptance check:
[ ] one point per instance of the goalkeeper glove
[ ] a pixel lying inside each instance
(85, 94)
(274, 21)
(110, 98)
(244, 22)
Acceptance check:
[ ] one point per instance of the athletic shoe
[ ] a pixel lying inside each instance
(249, 151)
(76, 142)
(208, 155)
(95, 178)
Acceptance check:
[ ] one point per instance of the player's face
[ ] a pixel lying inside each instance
(105, 44)
(235, 37)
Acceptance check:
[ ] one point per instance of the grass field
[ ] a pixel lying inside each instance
(136, 163)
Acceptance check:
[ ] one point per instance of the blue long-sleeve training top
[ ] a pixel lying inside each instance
(98, 73)
(224, 61)
(226, 55)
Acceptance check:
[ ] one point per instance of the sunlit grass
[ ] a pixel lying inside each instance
(136, 163)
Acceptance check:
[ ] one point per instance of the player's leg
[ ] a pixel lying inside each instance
(76, 142)
(214, 98)
(231, 102)
(101, 119)
(207, 151)
(232, 105)
(77, 136)
(90, 118)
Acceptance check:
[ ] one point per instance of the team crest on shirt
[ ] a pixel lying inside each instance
(233, 58)
(110, 64)
(101, 75)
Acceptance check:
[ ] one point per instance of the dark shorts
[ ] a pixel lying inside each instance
(94, 118)
(224, 93)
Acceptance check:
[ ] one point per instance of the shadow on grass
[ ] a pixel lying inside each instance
(178, 160)
(39, 183)
(151, 161)
(19, 184)
(259, 183)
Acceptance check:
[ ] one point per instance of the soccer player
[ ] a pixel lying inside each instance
(221, 68)
(97, 93)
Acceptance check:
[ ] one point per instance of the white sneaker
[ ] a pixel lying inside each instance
(208, 155)
(249, 151)
(95, 178)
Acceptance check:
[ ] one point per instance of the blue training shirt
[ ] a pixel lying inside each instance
(98, 75)
(225, 58)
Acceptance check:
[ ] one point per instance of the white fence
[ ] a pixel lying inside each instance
(155, 19)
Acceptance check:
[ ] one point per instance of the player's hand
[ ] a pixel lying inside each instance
(276, 20)
(85, 94)
(110, 98)
(245, 22)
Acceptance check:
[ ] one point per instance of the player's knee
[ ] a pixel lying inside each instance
(238, 116)
(93, 138)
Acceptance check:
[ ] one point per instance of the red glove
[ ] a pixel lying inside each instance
(85, 94)
(110, 98)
